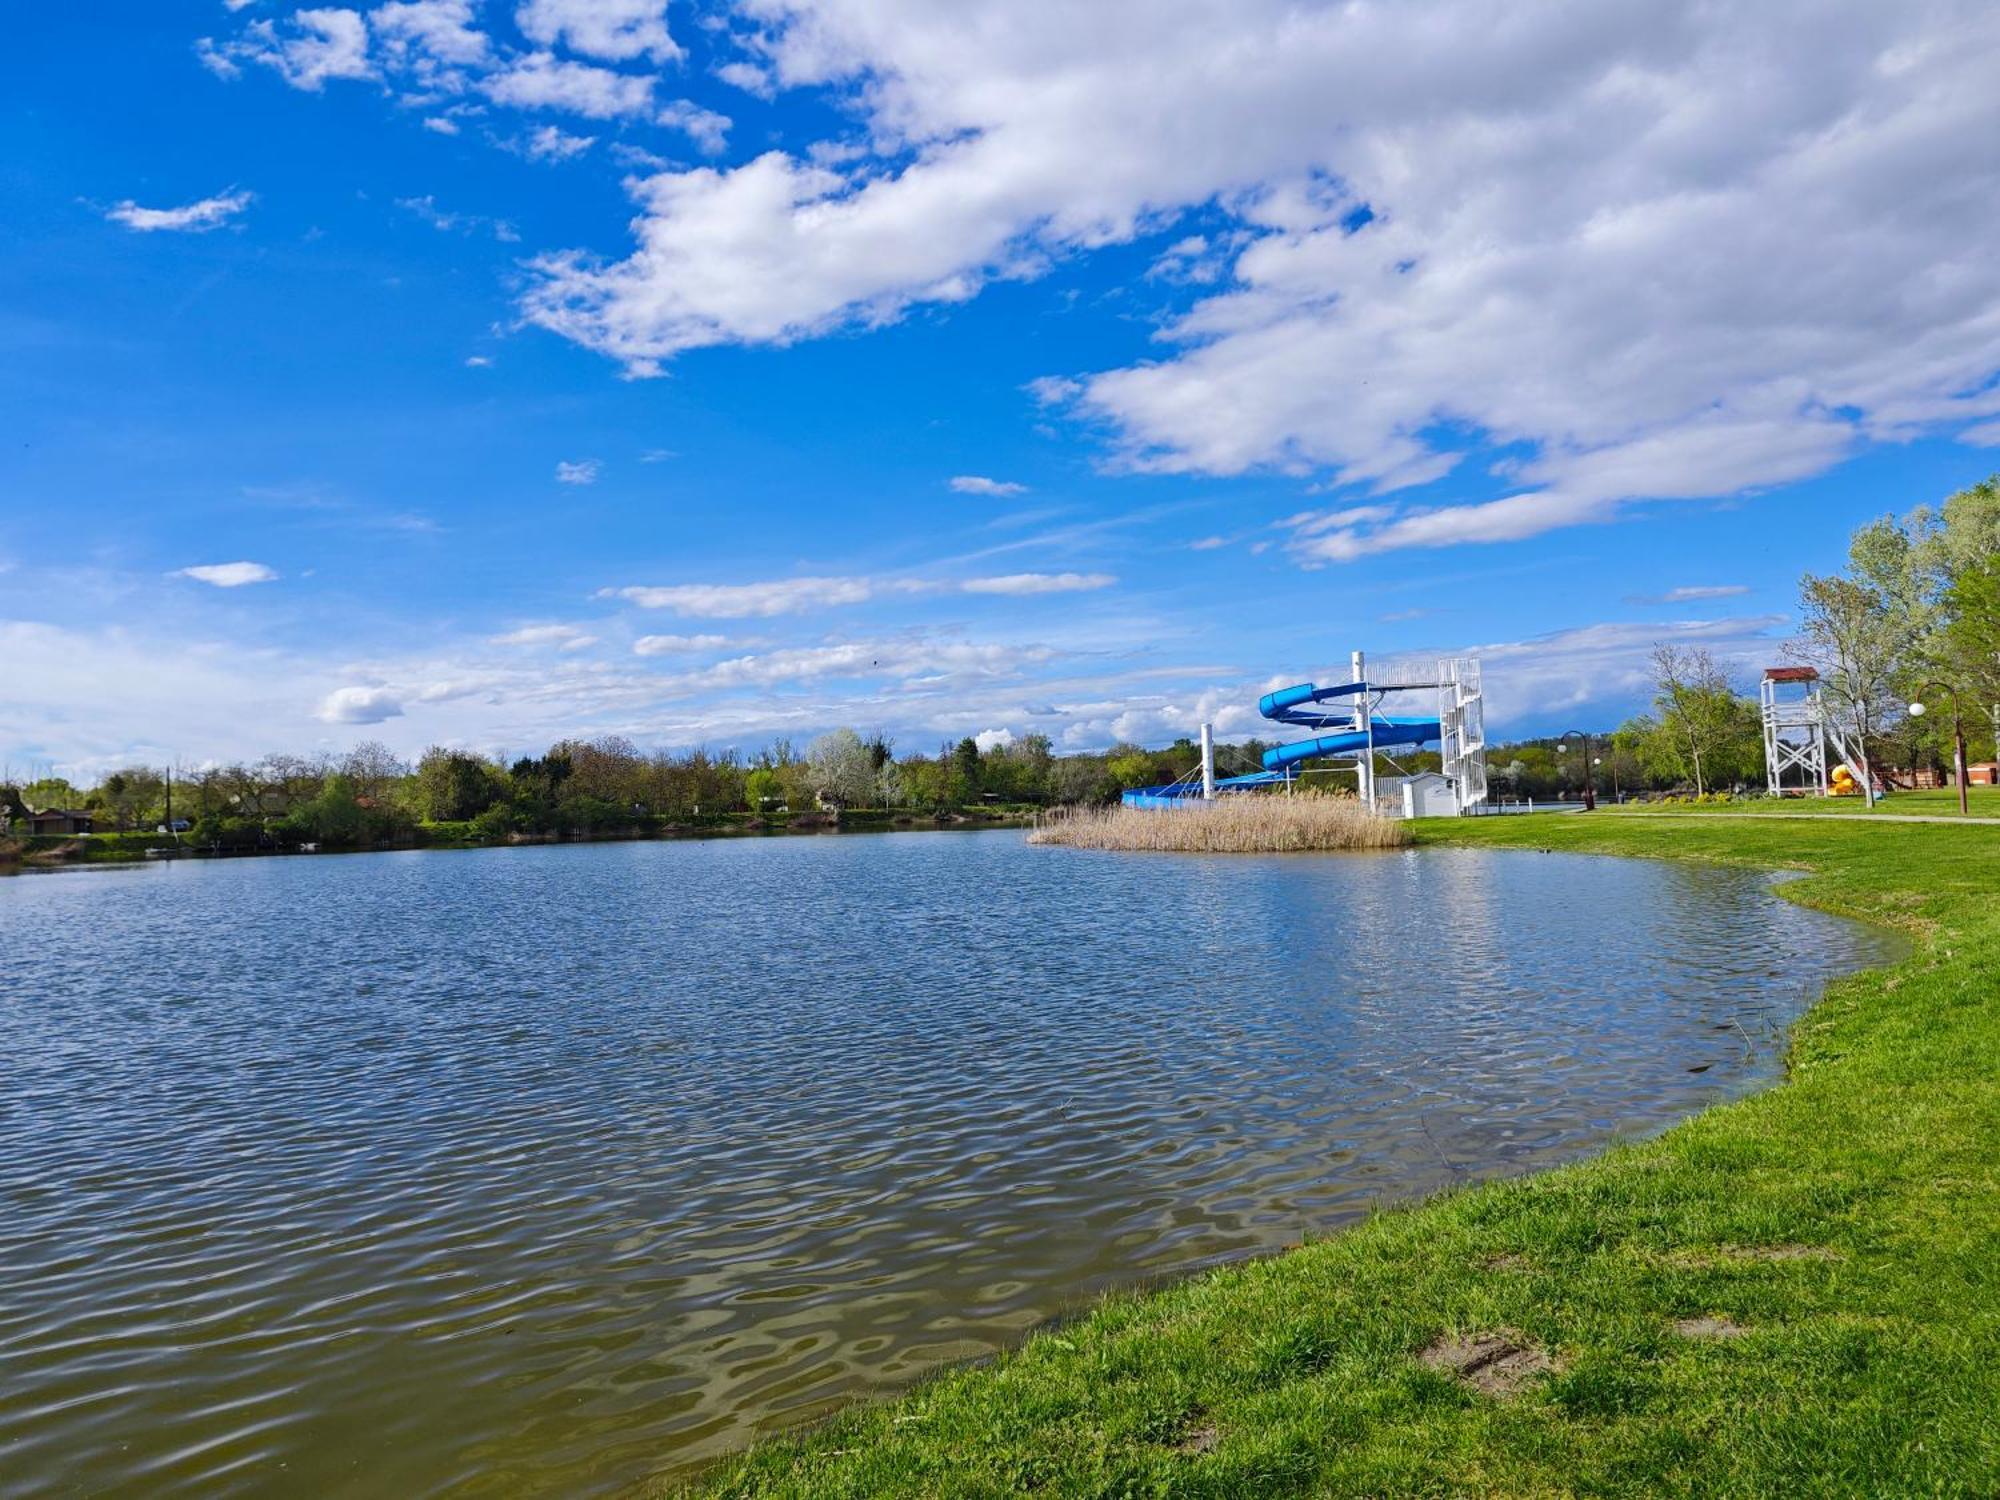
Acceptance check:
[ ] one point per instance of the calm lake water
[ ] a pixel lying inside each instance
(540, 1171)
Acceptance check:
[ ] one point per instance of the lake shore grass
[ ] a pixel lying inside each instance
(1229, 825)
(1791, 1294)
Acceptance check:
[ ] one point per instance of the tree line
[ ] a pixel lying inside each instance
(1914, 616)
(369, 796)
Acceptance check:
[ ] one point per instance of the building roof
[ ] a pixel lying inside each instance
(1791, 674)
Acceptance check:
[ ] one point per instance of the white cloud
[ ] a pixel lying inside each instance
(619, 30)
(1208, 543)
(426, 208)
(478, 362)
(935, 663)
(1038, 583)
(194, 218)
(733, 601)
(552, 144)
(1437, 215)
(416, 32)
(540, 80)
(677, 645)
(562, 637)
(979, 484)
(441, 125)
(317, 45)
(746, 76)
(579, 471)
(232, 575)
(993, 739)
(706, 128)
(1694, 592)
(359, 705)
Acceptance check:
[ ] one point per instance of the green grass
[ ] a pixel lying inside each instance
(1870, 1366)
(1981, 802)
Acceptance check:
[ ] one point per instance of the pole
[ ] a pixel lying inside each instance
(1364, 722)
(1589, 778)
(1208, 762)
(1958, 757)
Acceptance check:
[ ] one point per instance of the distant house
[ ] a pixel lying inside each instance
(1983, 773)
(56, 821)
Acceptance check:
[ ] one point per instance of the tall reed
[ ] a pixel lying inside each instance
(1257, 824)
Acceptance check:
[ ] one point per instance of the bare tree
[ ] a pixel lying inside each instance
(1697, 706)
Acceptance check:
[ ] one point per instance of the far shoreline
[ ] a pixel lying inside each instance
(51, 852)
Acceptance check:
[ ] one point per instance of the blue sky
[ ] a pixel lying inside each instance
(705, 373)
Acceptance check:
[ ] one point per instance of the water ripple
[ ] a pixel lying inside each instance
(538, 1171)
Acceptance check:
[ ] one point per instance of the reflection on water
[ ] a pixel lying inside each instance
(540, 1170)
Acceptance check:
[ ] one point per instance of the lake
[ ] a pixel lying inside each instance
(544, 1170)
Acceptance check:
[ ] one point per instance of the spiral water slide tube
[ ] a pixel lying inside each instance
(1299, 707)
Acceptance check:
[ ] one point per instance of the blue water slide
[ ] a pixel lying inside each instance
(1382, 734)
(1299, 706)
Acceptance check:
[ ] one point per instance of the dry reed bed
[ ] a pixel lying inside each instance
(1230, 825)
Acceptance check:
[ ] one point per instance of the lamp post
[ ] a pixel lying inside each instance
(1917, 711)
(1589, 776)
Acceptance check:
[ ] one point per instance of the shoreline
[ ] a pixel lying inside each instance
(1593, 1318)
(60, 852)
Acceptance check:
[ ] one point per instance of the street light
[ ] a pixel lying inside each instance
(1957, 741)
(1589, 779)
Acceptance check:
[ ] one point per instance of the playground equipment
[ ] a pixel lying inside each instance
(1353, 730)
(1797, 734)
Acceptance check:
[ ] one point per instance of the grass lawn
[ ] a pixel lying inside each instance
(1981, 802)
(1796, 1294)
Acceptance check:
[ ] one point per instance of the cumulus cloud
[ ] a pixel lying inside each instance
(359, 705)
(316, 45)
(578, 471)
(619, 30)
(540, 80)
(419, 33)
(1038, 583)
(730, 601)
(192, 218)
(1596, 236)
(230, 575)
(551, 143)
(979, 484)
(706, 128)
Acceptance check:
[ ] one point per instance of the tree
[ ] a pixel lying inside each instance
(453, 786)
(134, 797)
(1698, 712)
(1849, 631)
(966, 767)
(842, 768)
(760, 786)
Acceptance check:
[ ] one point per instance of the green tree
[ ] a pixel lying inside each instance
(452, 786)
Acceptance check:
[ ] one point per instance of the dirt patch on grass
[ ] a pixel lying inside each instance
(1198, 1439)
(1744, 1255)
(1496, 1364)
(1506, 1260)
(1708, 1328)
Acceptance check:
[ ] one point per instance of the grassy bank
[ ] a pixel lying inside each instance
(1229, 825)
(1796, 1294)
